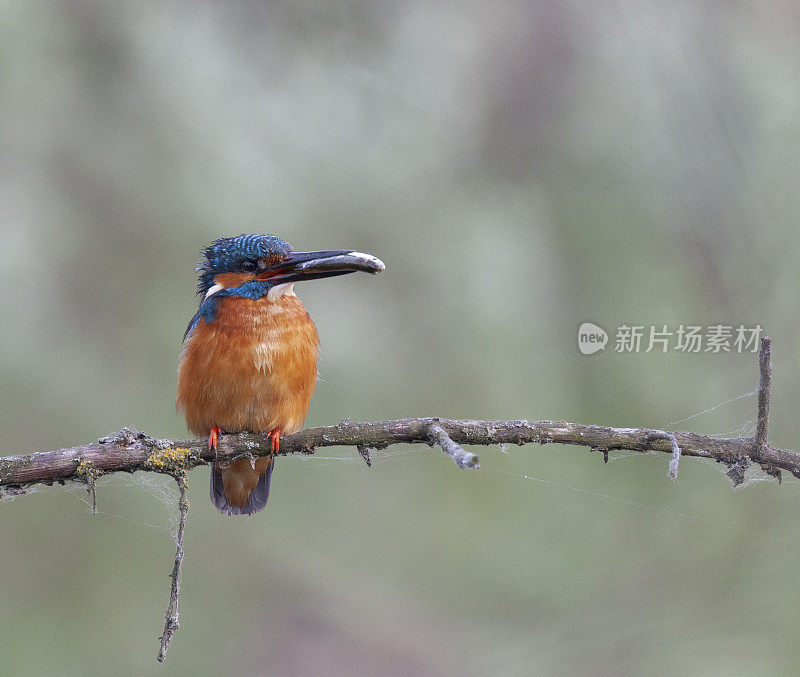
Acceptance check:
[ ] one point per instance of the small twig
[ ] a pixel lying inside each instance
(462, 458)
(764, 382)
(676, 451)
(91, 489)
(603, 451)
(171, 623)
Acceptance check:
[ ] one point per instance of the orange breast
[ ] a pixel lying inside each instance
(253, 368)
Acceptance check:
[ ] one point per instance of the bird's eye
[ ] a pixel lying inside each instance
(248, 266)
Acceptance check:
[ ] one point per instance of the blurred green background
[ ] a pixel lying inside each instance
(521, 168)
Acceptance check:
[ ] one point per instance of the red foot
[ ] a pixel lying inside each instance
(212, 437)
(274, 440)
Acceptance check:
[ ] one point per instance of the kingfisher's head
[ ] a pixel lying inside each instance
(266, 259)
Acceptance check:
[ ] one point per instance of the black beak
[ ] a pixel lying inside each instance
(300, 266)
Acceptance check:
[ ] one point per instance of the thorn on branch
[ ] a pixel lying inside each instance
(462, 458)
(364, 451)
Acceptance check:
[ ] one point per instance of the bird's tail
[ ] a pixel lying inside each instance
(241, 487)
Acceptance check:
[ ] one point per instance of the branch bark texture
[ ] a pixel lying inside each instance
(130, 451)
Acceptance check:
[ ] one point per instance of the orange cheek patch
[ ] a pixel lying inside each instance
(228, 280)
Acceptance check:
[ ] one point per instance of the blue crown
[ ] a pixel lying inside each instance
(228, 253)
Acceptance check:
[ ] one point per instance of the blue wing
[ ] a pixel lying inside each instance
(207, 311)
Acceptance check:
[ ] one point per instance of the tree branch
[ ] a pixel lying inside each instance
(130, 451)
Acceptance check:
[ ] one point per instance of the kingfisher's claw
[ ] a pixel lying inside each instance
(274, 440)
(212, 437)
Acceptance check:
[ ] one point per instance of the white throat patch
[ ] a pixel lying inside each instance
(213, 290)
(285, 289)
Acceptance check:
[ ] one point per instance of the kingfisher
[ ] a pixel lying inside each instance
(249, 360)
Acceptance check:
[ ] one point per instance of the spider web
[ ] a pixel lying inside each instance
(159, 487)
(753, 474)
